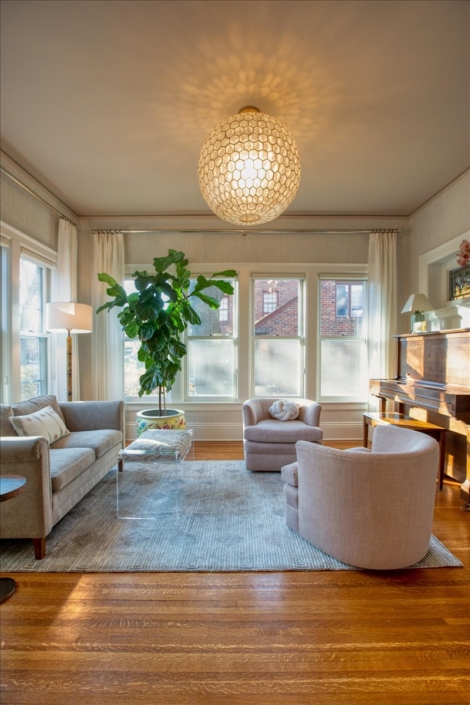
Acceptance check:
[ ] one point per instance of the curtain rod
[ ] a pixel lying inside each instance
(247, 232)
(35, 195)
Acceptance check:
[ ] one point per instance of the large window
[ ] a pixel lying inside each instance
(211, 362)
(343, 349)
(33, 337)
(278, 343)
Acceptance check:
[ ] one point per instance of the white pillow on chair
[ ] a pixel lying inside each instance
(284, 410)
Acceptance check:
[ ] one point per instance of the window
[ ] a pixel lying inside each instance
(211, 362)
(278, 342)
(349, 300)
(224, 310)
(343, 349)
(270, 301)
(33, 338)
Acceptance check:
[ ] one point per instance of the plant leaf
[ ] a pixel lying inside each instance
(224, 286)
(213, 303)
(103, 277)
(226, 273)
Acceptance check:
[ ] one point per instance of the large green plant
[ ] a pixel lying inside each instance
(159, 312)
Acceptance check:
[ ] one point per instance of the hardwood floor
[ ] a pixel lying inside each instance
(316, 638)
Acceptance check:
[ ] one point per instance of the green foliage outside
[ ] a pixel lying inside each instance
(159, 312)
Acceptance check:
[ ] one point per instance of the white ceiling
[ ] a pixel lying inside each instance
(108, 102)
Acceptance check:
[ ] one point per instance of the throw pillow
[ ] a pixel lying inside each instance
(284, 410)
(44, 422)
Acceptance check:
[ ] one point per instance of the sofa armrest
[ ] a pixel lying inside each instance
(29, 515)
(93, 415)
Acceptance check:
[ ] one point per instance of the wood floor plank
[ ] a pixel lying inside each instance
(292, 638)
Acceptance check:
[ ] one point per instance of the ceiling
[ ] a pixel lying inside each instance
(108, 103)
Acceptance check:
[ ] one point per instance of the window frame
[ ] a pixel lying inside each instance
(17, 245)
(234, 337)
(301, 336)
(42, 336)
(339, 279)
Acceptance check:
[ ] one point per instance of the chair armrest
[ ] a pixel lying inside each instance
(29, 515)
(310, 415)
(93, 415)
(254, 411)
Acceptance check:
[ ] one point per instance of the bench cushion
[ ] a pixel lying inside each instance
(99, 441)
(67, 464)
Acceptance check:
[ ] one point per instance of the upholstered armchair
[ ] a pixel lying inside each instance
(369, 508)
(270, 444)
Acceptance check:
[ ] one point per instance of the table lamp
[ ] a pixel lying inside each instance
(418, 303)
(73, 318)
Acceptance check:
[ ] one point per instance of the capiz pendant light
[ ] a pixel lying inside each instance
(249, 168)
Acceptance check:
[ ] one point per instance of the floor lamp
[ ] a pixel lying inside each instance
(73, 318)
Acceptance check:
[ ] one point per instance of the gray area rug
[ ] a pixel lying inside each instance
(205, 516)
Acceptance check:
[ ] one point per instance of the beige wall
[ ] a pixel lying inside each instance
(444, 217)
(24, 212)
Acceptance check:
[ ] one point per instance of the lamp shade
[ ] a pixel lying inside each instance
(249, 168)
(417, 302)
(77, 318)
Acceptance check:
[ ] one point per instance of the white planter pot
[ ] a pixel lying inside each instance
(171, 419)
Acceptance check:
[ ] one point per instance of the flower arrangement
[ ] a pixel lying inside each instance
(463, 279)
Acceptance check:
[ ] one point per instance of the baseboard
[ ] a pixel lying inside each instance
(213, 431)
(337, 431)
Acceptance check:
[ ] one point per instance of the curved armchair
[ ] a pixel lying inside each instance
(371, 509)
(270, 444)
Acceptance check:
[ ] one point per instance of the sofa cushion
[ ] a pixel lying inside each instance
(67, 464)
(44, 422)
(32, 405)
(6, 429)
(290, 474)
(99, 441)
(271, 431)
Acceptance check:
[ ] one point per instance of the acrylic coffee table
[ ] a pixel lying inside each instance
(140, 469)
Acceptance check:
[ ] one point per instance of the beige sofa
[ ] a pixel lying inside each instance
(369, 508)
(57, 477)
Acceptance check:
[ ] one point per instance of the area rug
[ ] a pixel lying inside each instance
(206, 516)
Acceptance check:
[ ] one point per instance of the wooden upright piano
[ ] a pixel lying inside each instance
(433, 384)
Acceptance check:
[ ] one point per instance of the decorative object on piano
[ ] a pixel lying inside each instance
(459, 279)
(418, 303)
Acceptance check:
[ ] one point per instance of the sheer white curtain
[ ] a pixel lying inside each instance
(382, 303)
(108, 348)
(65, 289)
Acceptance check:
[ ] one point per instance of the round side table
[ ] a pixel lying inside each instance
(10, 486)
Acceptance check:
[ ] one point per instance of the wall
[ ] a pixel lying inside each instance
(229, 249)
(444, 217)
(24, 212)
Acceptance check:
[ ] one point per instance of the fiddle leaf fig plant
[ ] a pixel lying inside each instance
(159, 311)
